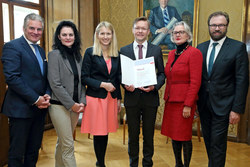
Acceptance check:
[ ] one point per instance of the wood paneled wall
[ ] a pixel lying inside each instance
(88, 19)
(245, 131)
(84, 13)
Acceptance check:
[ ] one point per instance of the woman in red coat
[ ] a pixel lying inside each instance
(183, 72)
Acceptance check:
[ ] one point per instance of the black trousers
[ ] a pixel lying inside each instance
(25, 140)
(214, 130)
(134, 116)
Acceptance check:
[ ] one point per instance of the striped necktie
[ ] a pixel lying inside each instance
(165, 17)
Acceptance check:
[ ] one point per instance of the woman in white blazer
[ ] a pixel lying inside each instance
(68, 94)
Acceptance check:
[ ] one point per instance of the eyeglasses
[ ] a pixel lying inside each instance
(179, 32)
(214, 26)
(140, 28)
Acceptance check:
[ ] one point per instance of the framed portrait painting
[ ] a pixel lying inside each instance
(177, 10)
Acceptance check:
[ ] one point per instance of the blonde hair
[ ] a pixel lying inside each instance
(113, 48)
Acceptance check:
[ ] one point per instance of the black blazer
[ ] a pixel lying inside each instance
(227, 85)
(150, 98)
(95, 71)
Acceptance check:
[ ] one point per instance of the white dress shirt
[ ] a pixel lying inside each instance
(217, 49)
(144, 49)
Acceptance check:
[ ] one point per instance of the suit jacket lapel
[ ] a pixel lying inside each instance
(78, 65)
(113, 62)
(148, 53)
(103, 64)
(169, 13)
(41, 52)
(30, 52)
(160, 15)
(204, 54)
(67, 64)
(131, 50)
(44, 60)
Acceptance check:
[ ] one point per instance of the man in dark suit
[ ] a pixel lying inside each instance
(26, 100)
(225, 79)
(142, 103)
(158, 23)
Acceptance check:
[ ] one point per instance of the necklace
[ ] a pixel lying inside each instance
(178, 54)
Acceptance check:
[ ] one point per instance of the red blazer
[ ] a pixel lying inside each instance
(184, 78)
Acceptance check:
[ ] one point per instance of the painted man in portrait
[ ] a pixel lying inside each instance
(159, 18)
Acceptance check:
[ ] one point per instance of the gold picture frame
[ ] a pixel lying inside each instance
(143, 10)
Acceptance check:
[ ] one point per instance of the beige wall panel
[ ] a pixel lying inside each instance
(86, 23)
(57, 10)
(62, 9)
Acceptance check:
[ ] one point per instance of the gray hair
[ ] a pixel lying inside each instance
(187, 29)
(32, 16)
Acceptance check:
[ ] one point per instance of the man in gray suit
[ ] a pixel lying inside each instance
(158, 23)
(225, 79)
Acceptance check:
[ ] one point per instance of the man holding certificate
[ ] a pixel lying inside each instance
(141, 103)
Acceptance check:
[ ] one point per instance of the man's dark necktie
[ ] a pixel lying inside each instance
(38, 56)
(211, 59)
(140, 51)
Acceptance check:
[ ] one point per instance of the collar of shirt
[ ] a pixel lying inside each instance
(30, 44)
(217, 48)
(166, 8)
(144, 49)
(162, 9)
(220, 42)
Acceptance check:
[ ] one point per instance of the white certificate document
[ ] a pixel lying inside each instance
(139, 73)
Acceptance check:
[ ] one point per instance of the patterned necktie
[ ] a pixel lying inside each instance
(165, 17)
(140, 51)
(38, 56)
(211, 59)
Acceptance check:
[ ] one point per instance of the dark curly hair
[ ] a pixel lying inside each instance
(76, 47)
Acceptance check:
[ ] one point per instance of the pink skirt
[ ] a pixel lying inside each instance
(100, 116)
